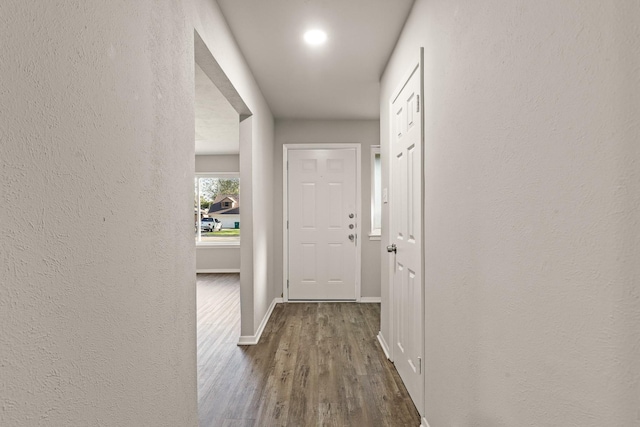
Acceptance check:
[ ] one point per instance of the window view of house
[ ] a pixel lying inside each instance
(217, 210)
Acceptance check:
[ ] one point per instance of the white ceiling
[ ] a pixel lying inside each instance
(339, 80)
(217, 122)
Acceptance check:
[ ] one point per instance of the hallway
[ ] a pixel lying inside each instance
(316, 364)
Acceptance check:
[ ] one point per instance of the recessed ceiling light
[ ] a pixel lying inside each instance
(315, 37)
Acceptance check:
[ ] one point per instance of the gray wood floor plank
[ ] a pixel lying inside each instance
(316, 365)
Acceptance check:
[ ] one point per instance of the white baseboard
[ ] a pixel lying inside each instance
(363, 300)
(315, 301)
(218, 270)
(383, 344)
(254, 339)
(424, 423)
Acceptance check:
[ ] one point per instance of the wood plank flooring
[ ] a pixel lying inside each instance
(316, 365)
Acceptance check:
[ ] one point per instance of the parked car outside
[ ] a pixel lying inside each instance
(206, 224)
(210, 224)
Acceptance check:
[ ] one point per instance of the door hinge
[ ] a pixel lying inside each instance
(287, 283)
(417, 103)
(419, 365)
(287, 224)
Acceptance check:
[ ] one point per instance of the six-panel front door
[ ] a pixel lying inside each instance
(406, 234)
(323, 228)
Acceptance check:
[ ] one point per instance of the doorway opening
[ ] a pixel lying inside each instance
(223, 132)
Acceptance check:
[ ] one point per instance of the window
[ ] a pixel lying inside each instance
(376, 193)
(217, 217)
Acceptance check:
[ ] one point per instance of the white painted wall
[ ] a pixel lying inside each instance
(216, 119)
(215, 259)
(97, 313)
(212, 258)
(256, 168)
(365, 132)
(220, 163)
(532, 198)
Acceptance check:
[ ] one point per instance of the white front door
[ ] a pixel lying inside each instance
(406, 234)
(323, 226)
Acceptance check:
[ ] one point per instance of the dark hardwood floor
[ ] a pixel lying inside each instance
(316, 365)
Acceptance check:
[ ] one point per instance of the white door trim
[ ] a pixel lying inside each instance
(285, 210)
(416, 63)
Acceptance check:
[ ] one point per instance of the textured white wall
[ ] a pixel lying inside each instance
(532, 198)
(218, 163)
(97, 311)
(216, 119)
(256, 154)
(365, 132)
(220, 259)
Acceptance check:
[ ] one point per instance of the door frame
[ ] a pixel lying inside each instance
(285, 210)
(415, 65)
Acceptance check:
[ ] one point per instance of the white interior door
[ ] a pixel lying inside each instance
(406, 234)
(323, 227)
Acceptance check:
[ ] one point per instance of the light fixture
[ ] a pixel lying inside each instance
(315, 37)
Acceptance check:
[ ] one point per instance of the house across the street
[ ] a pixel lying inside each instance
(226, 209)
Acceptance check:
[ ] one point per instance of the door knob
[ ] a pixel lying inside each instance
(392, 248)
(351, 237)
(351, 215)
(351, 226)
